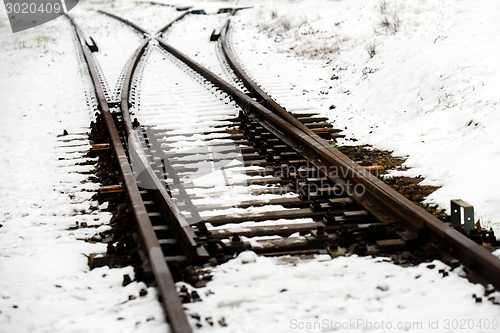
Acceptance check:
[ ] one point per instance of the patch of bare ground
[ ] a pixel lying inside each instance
(365, 155)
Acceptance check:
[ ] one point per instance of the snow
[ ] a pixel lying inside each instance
(429, 93)
(284, 294)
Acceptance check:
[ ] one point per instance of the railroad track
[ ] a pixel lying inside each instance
(212, 168)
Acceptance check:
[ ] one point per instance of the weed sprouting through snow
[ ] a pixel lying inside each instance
(448, 101)
(371, 48)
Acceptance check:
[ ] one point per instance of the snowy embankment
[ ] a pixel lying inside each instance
(45, 283)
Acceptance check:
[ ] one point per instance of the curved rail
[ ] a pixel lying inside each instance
(166, 286)
(162, 30)
(127, 22)
(168, 209)
(381, 197)
(141, 30)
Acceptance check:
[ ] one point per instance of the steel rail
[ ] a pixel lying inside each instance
(166, 27)
(382, 197)
(166, 286)
(127, 22)
(140, 29)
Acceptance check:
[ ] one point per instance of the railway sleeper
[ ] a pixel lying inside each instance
(299, 115)
(98, 149)
(311, 119)
(265, 143)
(283, 246)
(110, 192)
(327, 133)
(309, 191)
(284, 230)
(293, 202)
(291, 214)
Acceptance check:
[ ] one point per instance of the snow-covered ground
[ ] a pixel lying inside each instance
(417, 76)
(45, 282)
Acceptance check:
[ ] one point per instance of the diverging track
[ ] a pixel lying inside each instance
(212, 169)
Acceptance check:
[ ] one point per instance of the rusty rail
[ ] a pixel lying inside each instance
(166, 286)
(163, 29)
(140, 29)
(127, 22)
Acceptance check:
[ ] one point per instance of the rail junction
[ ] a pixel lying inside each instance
(297, 194)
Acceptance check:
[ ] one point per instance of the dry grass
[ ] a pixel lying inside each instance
(390, 25)
(383, 7)
(315, 50)
(298, 36)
